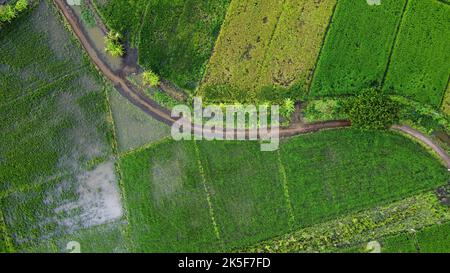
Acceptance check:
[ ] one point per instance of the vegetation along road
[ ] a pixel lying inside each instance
(138, 98)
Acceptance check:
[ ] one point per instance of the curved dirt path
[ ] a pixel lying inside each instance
(138, 98)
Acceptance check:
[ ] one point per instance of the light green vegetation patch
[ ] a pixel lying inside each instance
(134, 127)
(166, 200)
(420, 65)
(233, 70)
(264, 44)
(357, 48)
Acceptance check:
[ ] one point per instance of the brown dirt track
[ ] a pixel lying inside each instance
(138, 98)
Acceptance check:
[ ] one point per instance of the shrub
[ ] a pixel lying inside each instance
(7, 14)
(372, 110)
(113, 45)
(288, 108)
(21, 5)
(150, 78)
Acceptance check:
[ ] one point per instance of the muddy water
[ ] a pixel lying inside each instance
(95, 34)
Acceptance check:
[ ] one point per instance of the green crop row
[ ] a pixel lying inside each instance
(327, 174)
(357, 48)
(177, 38)
(420, 64)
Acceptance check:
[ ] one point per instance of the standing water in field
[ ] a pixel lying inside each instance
(374, 2)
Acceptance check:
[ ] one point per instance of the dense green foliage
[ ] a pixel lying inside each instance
(371, 109)
(420, 65)
(357, 47)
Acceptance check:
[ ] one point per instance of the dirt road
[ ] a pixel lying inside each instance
(138, 98)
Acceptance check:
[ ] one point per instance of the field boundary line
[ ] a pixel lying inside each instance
(127, 229)
(416, 242)
(284, 182)
(137, 38)
(115, 150)
(6, 236)
(144, 147)
(208, 195)
(322, 45)
(394, 44)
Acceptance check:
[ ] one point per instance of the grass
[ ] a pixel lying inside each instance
(167, 203)
(446, 104)
(351, 233)
(239, 53)
(420, 63)
(266, 46)
(432, 239)
(249, 194)
(123, 16)
(55, 133)
(134, 127)
(246, 191)
(435, 239)
(357, 48)
(177, 38)
(357, 170)
(296, 43)
(400, 243)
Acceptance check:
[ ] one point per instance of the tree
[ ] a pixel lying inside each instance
(150, 78)
(7, 13)
(113, 45)
(21, 5)
(288, 107)
(372, 109)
